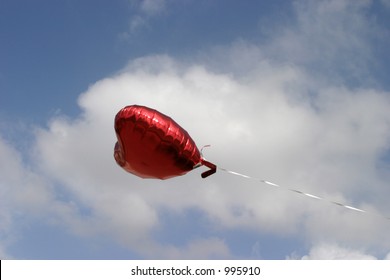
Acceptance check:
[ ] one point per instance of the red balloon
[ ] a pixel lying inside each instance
(152, 145)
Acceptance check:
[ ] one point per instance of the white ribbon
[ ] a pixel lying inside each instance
(298, 192)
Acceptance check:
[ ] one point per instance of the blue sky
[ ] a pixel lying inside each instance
(294, 92)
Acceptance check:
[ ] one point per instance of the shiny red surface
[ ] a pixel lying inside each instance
(152, 145)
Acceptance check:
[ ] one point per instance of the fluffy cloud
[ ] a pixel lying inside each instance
(27, 197)
(210, 248)
(318, 142)
(266, 112)
(324, 251)
(329, 36)
(334, 252)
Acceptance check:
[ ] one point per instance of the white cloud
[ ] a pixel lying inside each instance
(136, 23)
(145, 10)
(332, 38)
(24, 196)
(209, 248)
(319, 144)
(152, 7)
(335, 252)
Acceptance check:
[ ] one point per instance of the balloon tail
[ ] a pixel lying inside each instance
(298, 192)
(211, 171)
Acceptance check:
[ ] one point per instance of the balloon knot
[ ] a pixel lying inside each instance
(212, 166)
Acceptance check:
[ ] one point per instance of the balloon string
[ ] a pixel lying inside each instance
(201, 150)
(299, 192)
(203, 161)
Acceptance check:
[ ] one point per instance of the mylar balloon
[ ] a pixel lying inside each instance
(152, 145)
